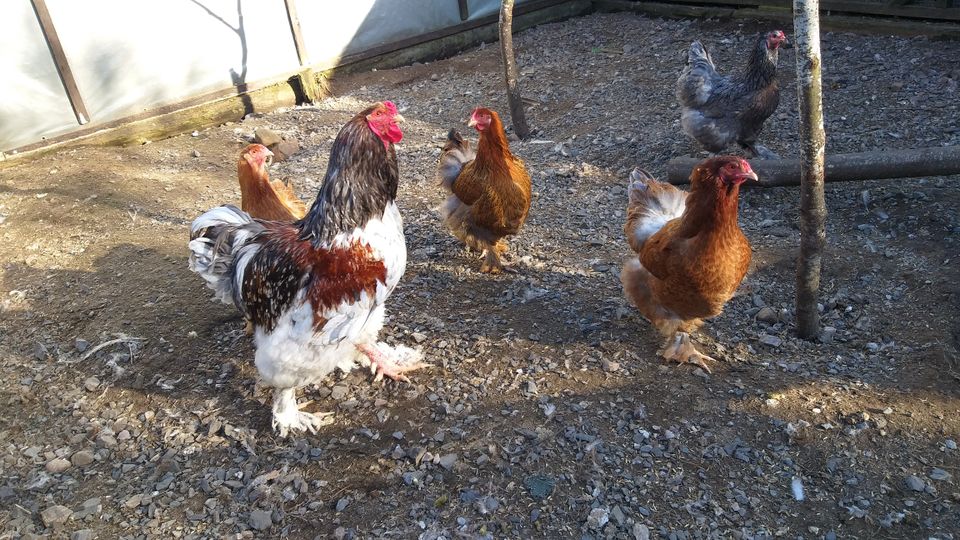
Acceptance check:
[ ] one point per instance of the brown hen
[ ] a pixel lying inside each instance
(261, 197)
(692, 254)
(489, 189)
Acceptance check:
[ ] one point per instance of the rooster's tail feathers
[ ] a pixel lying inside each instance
(456, 153)
(218, 239)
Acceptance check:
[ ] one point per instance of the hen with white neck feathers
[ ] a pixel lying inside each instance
(315, 290)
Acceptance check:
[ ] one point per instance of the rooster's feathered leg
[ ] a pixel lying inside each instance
(287, 415)
(382, 364)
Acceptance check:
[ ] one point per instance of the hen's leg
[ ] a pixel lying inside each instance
(760, 151)
(680, 349)
(287, 415)
(381, 364)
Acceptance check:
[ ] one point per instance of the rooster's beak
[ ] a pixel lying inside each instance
(787, 44)
(399, 118)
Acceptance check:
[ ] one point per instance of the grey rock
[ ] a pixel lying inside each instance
(598, 518)
(950, 444)
(342, 504)
(260, 520)
(768, 315)
(915, 483)
(57, 465)
(772, 341)
(447, 461)
(55, 515)
(83, 534)
(266, 136)
(81, 345)
(285, 148)
(91, 384)
(82, 458)
(339, 392)
(940, 475)
(641, 532)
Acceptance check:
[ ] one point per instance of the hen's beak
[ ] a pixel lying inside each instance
(787, 44)
(267, 159)
(749, 175)
(399, 118)
(472, 122)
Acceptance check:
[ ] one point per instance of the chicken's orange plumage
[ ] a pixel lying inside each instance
(489, 189)
(692, 254)
(261, 197)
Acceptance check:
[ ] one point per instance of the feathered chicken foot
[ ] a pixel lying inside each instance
(248, 327)
(288, 417)
(491, 260)
(681, 350)
(381, 364)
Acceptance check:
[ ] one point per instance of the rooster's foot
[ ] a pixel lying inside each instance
(682, 351)
(405, 359)
(287, 416)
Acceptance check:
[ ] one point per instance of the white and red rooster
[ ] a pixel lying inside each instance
(315, 289)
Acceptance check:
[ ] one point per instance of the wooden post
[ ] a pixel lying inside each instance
(297, 32)
(511, 73)
(813, 211)
(60, 59)
(464, 10)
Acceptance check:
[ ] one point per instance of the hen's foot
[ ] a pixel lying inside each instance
(501, 247)
(287, 416)
(681, 350)
(492, 265)
(404, 359)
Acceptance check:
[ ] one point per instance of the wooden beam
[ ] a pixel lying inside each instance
(297, 32)
(60, 59)
(877, 165)
(833, 23)
(464, 10)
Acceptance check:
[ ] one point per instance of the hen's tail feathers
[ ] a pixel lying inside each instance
(651, 204)
(456, 153)
(699, 55)
(220, 248)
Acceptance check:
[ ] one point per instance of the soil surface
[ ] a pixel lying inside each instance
(129, 405)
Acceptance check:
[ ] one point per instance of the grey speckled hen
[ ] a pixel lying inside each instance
(719, 110)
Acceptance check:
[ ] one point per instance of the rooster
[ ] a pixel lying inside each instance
(718, 110)
(692, 254)
(261, 197)
(315, 289)
(489, 189)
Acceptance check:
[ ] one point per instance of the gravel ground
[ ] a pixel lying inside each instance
(130, 407)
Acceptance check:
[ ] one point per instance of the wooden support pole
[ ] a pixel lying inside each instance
(813, 210)
(297, 32)
(511, 73)
(464, 10)
(878, 165)
(60, 59)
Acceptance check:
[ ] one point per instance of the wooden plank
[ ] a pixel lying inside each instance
(832, 23)
(464, 10)
(60, 59)
(297, 32)
(844, 6)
